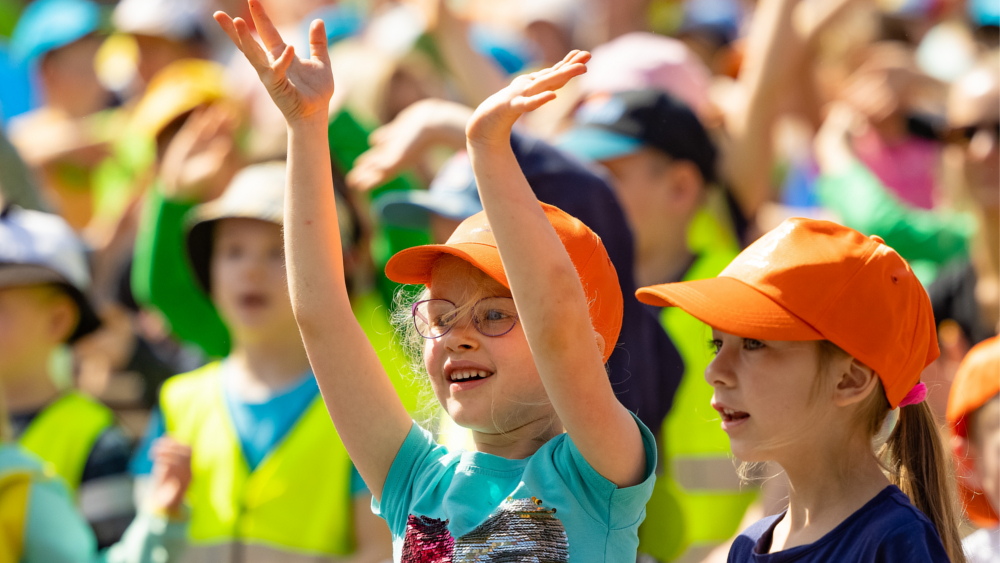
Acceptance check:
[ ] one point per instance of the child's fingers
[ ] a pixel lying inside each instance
(555, 80)
(250, 48)
(268, 33)
(226, 23)
(284, 61)
(524, 104)
(317, 42)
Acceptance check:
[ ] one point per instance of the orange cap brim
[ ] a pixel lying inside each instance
(731, 306)
(414, 265)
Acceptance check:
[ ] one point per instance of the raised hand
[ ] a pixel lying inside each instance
(201, 159)
(493, 119)
(404, 142)
(301, 88)
(171, 475)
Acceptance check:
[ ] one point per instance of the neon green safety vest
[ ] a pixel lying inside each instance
(698, 503)
(370, 311)
(296, 505)
(64, 433)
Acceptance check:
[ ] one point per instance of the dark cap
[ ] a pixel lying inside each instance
(609, 126)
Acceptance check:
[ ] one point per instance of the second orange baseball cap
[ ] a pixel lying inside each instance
(473, 242)
(817, 280)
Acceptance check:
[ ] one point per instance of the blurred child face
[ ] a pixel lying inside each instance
(765, 392)
(510, 395)
(249, 284)
(974, 106)
(984, 449)
(33, 321)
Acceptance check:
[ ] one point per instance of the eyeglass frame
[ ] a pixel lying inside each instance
(413, 315)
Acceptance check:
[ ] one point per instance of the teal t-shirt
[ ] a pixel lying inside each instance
(552, 506)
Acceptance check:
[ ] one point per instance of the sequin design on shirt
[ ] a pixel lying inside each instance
(519, 530)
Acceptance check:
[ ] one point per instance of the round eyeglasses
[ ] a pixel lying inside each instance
(492, 316)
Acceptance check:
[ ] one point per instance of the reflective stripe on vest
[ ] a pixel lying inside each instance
(297, 500)
(699, 499)
(64, 433)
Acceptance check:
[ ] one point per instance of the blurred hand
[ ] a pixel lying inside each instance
(171, 475)
(833, 140)
(301, 88)
(403, 142)
(198, 163)
(493, 119)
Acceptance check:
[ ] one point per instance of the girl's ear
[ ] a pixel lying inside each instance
(855, 381)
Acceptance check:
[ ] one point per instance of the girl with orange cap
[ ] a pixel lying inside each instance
(974, 419)
(520, 312)
(820, 335)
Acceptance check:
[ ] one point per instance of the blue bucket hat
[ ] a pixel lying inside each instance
(47, 25)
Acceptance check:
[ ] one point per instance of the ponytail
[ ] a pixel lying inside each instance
(919, 465)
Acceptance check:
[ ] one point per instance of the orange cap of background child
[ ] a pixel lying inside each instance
(473, 242)
(817, 280)
(976, 382)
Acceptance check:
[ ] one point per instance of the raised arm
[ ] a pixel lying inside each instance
(364, 407)
(550, 300)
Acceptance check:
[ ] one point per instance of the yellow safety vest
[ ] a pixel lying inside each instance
(64, 433)
(698, 503)
(373, 316)
(296, 505)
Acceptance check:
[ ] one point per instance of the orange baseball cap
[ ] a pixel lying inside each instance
(817, 280)
(976, 382)
(473, 242)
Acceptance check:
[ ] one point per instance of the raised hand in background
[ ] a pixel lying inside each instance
(171, 476)
(201, 159)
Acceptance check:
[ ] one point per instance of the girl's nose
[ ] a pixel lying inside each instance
(719, 372)
(462, 336)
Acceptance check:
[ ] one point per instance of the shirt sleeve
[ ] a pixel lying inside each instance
(404, 477)
(161, 277)
(56, 533)
(864, 204)
(615, 507)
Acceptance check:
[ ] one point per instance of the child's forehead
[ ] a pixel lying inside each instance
(453, 278)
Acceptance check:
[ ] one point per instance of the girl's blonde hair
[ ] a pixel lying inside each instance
(913, 457)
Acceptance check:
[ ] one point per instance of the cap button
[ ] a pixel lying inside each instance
(877, 239)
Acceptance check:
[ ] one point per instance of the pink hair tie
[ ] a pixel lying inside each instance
(915, 396)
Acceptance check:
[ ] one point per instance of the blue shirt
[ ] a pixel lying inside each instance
(259, 426)
(551, 506)
(888, 529)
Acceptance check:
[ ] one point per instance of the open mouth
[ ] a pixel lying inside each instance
(464, 375)
(730, 415)
(253, 301)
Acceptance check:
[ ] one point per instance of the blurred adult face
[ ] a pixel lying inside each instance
(974, 109)
(249, 283)
(70, 80)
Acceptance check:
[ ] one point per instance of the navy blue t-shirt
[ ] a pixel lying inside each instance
(888, 529)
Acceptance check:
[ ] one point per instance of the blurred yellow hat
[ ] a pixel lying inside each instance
(177, 89)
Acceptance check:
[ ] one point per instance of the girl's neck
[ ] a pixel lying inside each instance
(266, 366)
(826, 486)
(30, 392)
(519, 442)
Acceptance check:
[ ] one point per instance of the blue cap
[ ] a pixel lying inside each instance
(47, 25)
(452, 194)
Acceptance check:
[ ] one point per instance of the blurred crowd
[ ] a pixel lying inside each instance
(142, 172)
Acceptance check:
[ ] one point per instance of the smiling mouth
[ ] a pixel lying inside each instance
(462, 375)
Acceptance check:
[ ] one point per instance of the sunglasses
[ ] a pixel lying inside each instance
(492, 316)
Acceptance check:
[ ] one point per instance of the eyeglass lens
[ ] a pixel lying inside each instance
(492, 316)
